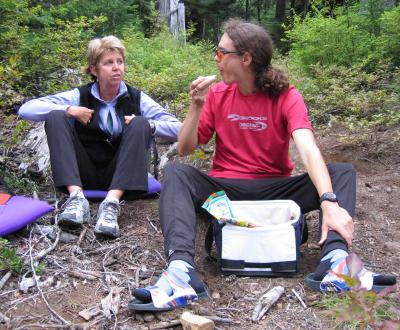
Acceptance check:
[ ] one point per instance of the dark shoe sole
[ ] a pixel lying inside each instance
(315, 285)
(106, 234)
(73, 224)
(138, 305)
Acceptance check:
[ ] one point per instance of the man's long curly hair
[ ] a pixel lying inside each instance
(254, 39)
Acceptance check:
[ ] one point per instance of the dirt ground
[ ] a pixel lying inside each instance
(79, 273)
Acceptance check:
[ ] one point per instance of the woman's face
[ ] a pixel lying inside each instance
(110, 69)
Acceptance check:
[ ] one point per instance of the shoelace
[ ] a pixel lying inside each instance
(109, 210)
(71, 202)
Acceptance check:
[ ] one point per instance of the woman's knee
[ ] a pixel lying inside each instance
(137, 125)
(57, 119)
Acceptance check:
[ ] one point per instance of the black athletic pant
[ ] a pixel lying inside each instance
(185, 189)
(71, 164)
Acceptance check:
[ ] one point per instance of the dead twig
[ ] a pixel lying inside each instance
(16, 302)
(5, 278)
(162, 258)
(266, 301)
(137, 278)
(85, 274)
(44, 253)
(218, 319)
(82, 236)
(42, 326)
(165, 325)
(298, 297)
(38, 286)
(174, 323)
(153, 225)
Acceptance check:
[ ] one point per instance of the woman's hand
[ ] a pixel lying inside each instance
(128, 119)
(81, 114)
(199, 88)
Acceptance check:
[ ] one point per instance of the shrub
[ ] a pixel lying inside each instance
(351, 37)
(390, 36)
(349, 94)
(164, 67)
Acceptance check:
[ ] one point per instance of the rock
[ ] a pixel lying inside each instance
(215, 295)
(89, 313)
(26, 283)
(392, 247)
(388, 190)
(231, 278)
(191, 321)
(313, 246)
(148, 317)
(266, 301)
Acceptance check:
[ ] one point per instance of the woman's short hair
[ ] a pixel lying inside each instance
(97, 47)
(254, 39)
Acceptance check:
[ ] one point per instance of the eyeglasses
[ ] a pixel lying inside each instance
(220, 53)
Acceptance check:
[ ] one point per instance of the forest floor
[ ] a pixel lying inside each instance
(80, 273)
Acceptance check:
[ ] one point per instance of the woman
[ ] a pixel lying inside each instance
(98, 136)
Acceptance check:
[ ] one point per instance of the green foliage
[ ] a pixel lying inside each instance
(164, 67)
(9, 260)
(19, 130)
(118, 13)
(349, 95)
(54, 52)
(390, 37)
(21, 185)
(358, 308)
(350, 38)
(40, 48)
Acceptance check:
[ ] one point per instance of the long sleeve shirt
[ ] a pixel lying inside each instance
(167, 126)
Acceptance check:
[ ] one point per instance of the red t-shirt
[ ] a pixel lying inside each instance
(252, 131)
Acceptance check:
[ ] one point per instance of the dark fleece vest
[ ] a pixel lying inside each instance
(100, 147)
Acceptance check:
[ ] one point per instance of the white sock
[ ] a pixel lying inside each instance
(181, 269)
(112, 199)
(78, 193)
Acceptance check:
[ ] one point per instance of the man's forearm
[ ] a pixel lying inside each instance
(188, 139)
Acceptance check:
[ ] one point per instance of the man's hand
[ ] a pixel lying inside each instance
(81, 114)
(199, 88)
(338, 219)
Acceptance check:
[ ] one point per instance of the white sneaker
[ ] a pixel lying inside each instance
(107, 219)
(76, 212)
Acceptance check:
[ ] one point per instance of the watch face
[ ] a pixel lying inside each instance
(328, 196)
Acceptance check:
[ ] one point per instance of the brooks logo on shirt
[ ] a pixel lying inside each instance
(249, 122)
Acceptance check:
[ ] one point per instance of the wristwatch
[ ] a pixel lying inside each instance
(328, 196)
(152, 126)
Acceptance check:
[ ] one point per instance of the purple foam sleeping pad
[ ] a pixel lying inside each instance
(19, 211)
(154, 188)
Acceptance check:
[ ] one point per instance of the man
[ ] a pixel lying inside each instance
(98, 136)
(254, 113)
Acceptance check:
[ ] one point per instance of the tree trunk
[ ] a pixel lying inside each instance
(173, 12)
(164, 9)
(280, 10)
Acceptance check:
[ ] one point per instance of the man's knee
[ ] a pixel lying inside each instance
(172, 170)
(342, 168)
